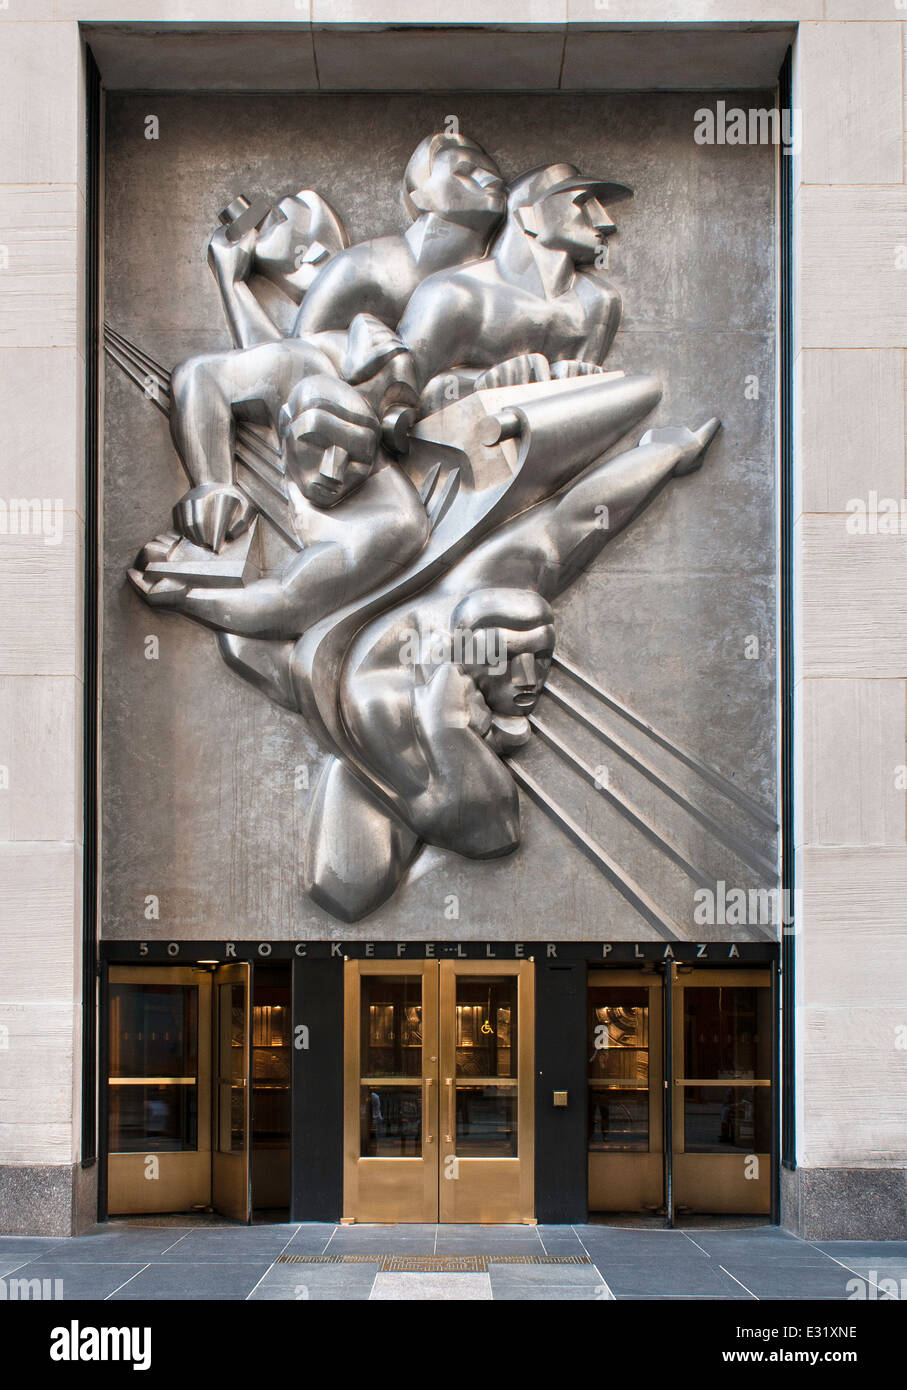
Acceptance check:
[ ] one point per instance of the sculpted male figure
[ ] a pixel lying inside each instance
(211, 393)
(437, 736)
(357, 516)
(429, 743)
(288, 247)
(455, 195)
(536, 292)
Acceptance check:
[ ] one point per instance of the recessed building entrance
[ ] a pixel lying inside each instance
(198, 1089)
(438, 1117)
(708, 1131)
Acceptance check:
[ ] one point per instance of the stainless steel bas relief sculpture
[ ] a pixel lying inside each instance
(433, 443)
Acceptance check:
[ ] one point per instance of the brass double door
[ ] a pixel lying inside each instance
(179, 1089)
(714, 1062)
(438, 1084)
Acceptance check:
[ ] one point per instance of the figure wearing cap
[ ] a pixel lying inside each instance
(536, 295)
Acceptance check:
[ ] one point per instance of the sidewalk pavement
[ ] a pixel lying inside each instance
(137, 1260)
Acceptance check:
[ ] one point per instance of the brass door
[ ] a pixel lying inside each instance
(625, 1090)
(391, 1091)
(159, 1087)
(438, 1091)
(722, 1090)
(487, 1143)
(230, 1159)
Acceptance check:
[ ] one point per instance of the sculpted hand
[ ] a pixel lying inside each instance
(691, 444)
(370, 345)
(211, 513)
(516, 371)
(159, 593)
(697, 443)
(571, 366)
(451, 700)
(165, 593)
(508, 733)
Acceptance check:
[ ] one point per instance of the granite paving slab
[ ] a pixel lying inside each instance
(431, 1287)
(221, 1282)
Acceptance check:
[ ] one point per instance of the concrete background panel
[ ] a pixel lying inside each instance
(661, 619)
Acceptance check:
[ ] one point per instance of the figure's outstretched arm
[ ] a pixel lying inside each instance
(585, 517)
(281, 605)
(470, 802)
(209, 391)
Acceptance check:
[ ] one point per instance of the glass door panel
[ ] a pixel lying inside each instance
(727, 1119)
(624, 1067)
(486, 1150)
(390, 1100)
(158, 1089)
(618, 1069)
(271, 1063)
(153, 1078)
(438, 1091)
(486, 1022)
(723, 1091)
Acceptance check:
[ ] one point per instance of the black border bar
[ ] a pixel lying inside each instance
(89, 1145)
(176, 951)
(786, 438)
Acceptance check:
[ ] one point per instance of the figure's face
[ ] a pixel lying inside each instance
(574, 222)
(326, 457)
(516, 690)
(283, 242)
(283, 237)
(464, 187)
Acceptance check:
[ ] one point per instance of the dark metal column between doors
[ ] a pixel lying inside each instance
(561, 1063)
(316, 1143)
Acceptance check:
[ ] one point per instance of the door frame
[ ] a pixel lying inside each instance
(231, 1173)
